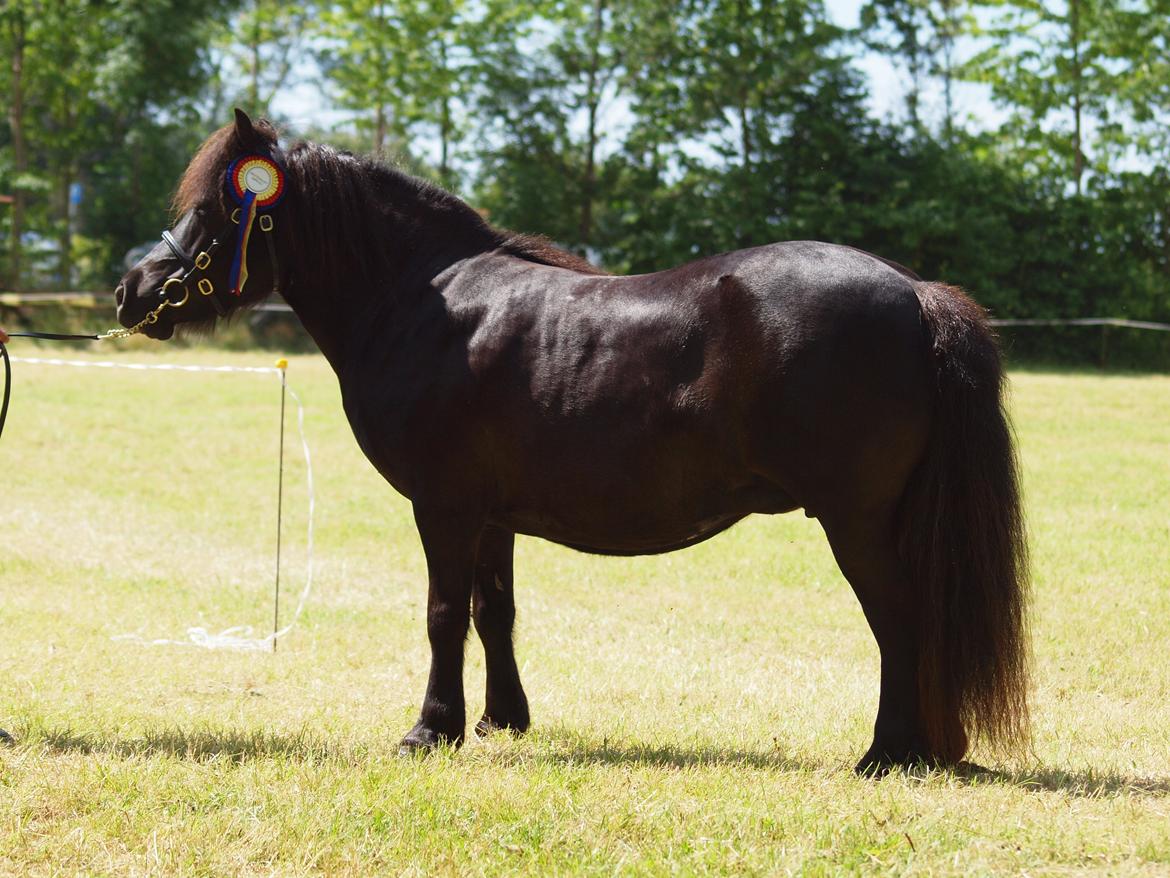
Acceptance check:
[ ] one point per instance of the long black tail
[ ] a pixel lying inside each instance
(962, 536)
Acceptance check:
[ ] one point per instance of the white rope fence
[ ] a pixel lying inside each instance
(1080, 321)
(239, 637)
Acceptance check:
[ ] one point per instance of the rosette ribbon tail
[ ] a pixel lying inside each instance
(239, 272)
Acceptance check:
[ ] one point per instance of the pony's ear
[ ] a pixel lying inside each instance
(245, 132)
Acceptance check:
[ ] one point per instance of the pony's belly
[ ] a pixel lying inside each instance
(630, 526)
(642, 544)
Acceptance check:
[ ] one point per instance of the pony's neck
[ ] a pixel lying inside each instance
(366, 239)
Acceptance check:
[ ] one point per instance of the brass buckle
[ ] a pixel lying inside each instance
(166, 295)
(266, 222)
(236, 216)
(202, 260)
(205, 286)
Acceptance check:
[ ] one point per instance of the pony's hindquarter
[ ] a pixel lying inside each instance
(961, 538)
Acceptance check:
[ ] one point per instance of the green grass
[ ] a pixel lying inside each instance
(693, 713)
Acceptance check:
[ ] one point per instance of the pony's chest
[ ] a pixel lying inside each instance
(414, 433)
(379, 426)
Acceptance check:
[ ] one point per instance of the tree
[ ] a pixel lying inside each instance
(922, 35)
(93, 92)
(547, 83)
(403, 62)
(14, 30)
(257, 49)
(1047, 63)
(724, 79)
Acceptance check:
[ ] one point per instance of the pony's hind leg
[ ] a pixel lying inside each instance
(866, 551)
(494, 612)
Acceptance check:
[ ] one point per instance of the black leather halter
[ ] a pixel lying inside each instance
(201, 261)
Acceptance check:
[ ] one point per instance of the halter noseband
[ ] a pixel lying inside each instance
(201, 262)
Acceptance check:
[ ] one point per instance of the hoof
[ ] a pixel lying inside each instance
(421, 740)
(487, 726)
(880, 761)
(6, 740)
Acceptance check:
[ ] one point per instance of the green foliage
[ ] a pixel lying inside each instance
(106, 107)
(643, 133)
(921, 36)
(1047, 62)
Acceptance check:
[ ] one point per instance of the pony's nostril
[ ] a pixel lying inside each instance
(120, 294)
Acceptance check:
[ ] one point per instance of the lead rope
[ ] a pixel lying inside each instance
(7, 387)
(53, 336)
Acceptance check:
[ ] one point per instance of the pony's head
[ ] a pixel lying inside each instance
(224, 251)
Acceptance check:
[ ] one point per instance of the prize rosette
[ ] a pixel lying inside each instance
(256, 183)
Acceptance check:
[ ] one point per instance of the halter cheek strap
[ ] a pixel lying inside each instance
(267, 227)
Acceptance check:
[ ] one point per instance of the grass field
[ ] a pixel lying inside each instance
(693, 713)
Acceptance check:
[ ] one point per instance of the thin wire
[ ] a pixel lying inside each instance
(238, 637)
(279, 508)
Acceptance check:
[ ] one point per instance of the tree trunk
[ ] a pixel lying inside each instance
(254, 46)
(913, 96)
(947, 32)
(1078, 157)
(379, 128)
(65, 239)
(743, 236)
(19, 155)
(593, 99)
(383, 76)
(444, 121)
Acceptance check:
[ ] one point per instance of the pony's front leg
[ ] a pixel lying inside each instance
(449, 541)
(494, 608)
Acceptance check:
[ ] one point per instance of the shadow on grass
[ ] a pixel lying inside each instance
(1082, 784)
(569, 747)
(1085, 783)
(199, 745)
(237, 746)
(559, 745)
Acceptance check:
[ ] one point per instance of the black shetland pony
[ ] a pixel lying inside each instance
(506, 386)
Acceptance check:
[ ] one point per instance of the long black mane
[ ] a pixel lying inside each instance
(365, 221)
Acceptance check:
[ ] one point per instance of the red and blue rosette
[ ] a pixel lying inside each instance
(256, 183)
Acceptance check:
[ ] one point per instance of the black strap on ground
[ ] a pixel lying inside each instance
(50, 336)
